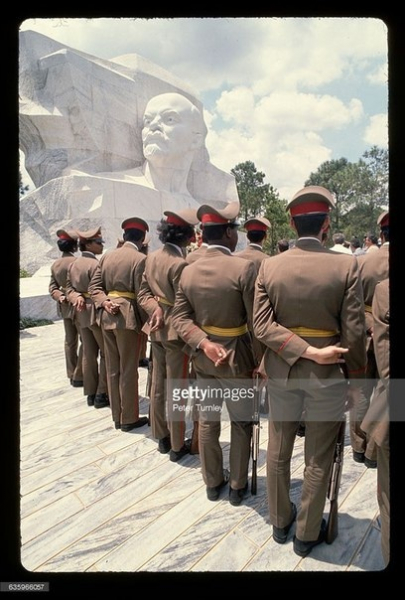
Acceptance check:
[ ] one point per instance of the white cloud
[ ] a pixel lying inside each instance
(379, 75)
(376, 132)
(273, 88)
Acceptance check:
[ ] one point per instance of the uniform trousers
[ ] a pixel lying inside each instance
(94, 369)
(324, 410)
(121, 347)
(73, 350)
(360, 441)
(240, 413)
(170, 369)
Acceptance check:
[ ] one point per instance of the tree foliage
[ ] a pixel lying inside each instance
(360, 190)
(261, 199)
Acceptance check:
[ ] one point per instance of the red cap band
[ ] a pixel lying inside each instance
(309, 207)
(256, 226)
(213, 218)
(385, 222)
(173, 220)
(134, 225)
(64, 236)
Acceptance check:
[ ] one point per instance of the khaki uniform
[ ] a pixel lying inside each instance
(73, 345)
(217, 291)
(170, 363)
(373, 267)
(306, 296)
(376, 420)
(118, 277)
(196, 254)
(255, 254)
(79, 275)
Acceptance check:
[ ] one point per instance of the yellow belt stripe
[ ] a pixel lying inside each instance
(117, 294)
(165, 301)
(225, 331)
(368, 308)
(308, 332)
(86, 294)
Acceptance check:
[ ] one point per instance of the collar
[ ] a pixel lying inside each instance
(309, 237)
(220, 247)
(258, 246)
(178, 249)
(88, 254)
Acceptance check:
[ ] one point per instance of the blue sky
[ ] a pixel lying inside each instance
(286, 93)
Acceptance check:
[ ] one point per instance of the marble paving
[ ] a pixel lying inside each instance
(97, 500)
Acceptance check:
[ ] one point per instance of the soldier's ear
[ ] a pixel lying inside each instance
(326, 224)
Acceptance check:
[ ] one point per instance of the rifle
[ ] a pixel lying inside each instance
(255, 433)
(334, 484)
(150, 372)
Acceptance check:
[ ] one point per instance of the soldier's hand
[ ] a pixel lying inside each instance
(80, 304)
(215, 352)
(325, 356)
(62, 299)
(157, 320)
(111, 307)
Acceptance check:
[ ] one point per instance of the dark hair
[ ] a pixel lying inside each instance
(283, 245)
(176, 234)
(386, 232)
(355, 242)
(309, 224)
(373, 238)
(217, 232)
(255, 236)
(67, 245)
(133, 235)
(338, 238)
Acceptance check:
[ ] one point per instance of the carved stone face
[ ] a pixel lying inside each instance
(172, 127)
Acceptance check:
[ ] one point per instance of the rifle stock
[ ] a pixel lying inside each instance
(334, 484)
(255, 434)
(149, 378)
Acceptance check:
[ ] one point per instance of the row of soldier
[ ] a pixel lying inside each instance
(221, 316)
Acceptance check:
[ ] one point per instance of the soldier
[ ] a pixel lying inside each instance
(67, 244)
(211, 314)
(256, 229)
(156, 296)
(376, 420)
(114, 288)
(373, 267)
(78, 278)
(308, 301)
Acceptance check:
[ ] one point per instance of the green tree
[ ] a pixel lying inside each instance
(251, 189)
(259, 198)
(360, 189)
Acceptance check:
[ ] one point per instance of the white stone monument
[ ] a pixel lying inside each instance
(103, 141)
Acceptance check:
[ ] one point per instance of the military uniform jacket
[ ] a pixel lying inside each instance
(119, 270)
(57, 285)
(254, 253)
(373, 267)
(376, 420)
(196, 254)
(217, 290)
(79, 274)
(159, 285)
(312, 287)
